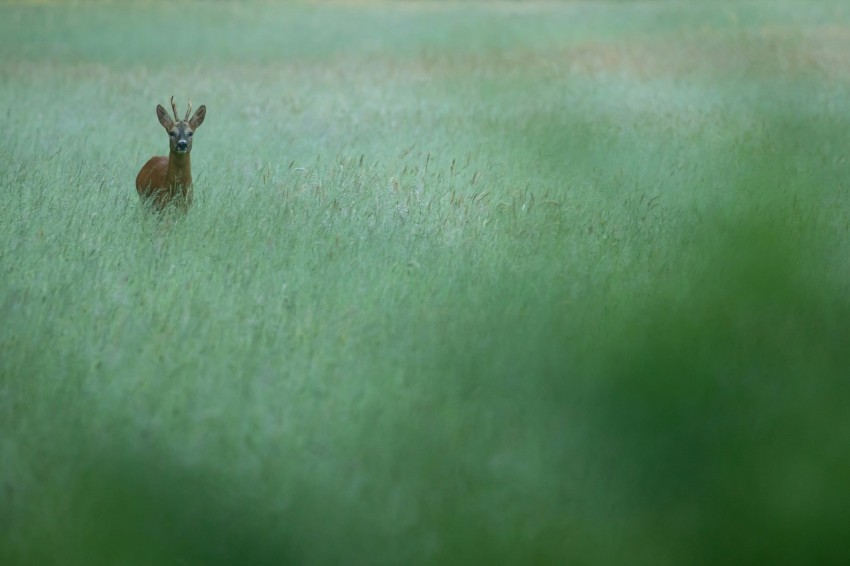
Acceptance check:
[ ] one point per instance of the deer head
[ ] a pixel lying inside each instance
(180, 132)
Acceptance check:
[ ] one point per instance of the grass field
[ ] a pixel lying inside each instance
(463, 283)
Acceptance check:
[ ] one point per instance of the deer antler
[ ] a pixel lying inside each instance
(189, 111)
(174, 109)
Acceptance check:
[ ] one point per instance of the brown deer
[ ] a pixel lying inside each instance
(162, 179)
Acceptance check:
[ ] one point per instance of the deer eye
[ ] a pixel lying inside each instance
(190, 134)
(172, 134)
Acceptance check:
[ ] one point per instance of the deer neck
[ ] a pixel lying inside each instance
(179, 175)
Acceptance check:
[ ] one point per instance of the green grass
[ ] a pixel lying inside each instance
(463, 283)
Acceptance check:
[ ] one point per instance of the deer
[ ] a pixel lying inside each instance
(163, 180)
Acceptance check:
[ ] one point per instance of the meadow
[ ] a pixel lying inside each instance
(463, 283)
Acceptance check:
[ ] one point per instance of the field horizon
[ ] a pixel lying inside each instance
(532, 282)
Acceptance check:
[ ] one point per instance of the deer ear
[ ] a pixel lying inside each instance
(164, 118)
(198, 118)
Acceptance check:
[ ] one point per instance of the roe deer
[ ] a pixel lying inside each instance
(164, 178)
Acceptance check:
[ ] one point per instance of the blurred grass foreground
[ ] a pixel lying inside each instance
(464, 283)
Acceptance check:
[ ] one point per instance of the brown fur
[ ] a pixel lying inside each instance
(163, 179)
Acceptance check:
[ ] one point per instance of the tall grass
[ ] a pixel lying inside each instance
(463, 283)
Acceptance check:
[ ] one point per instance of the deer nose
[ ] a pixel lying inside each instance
(182, 144)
